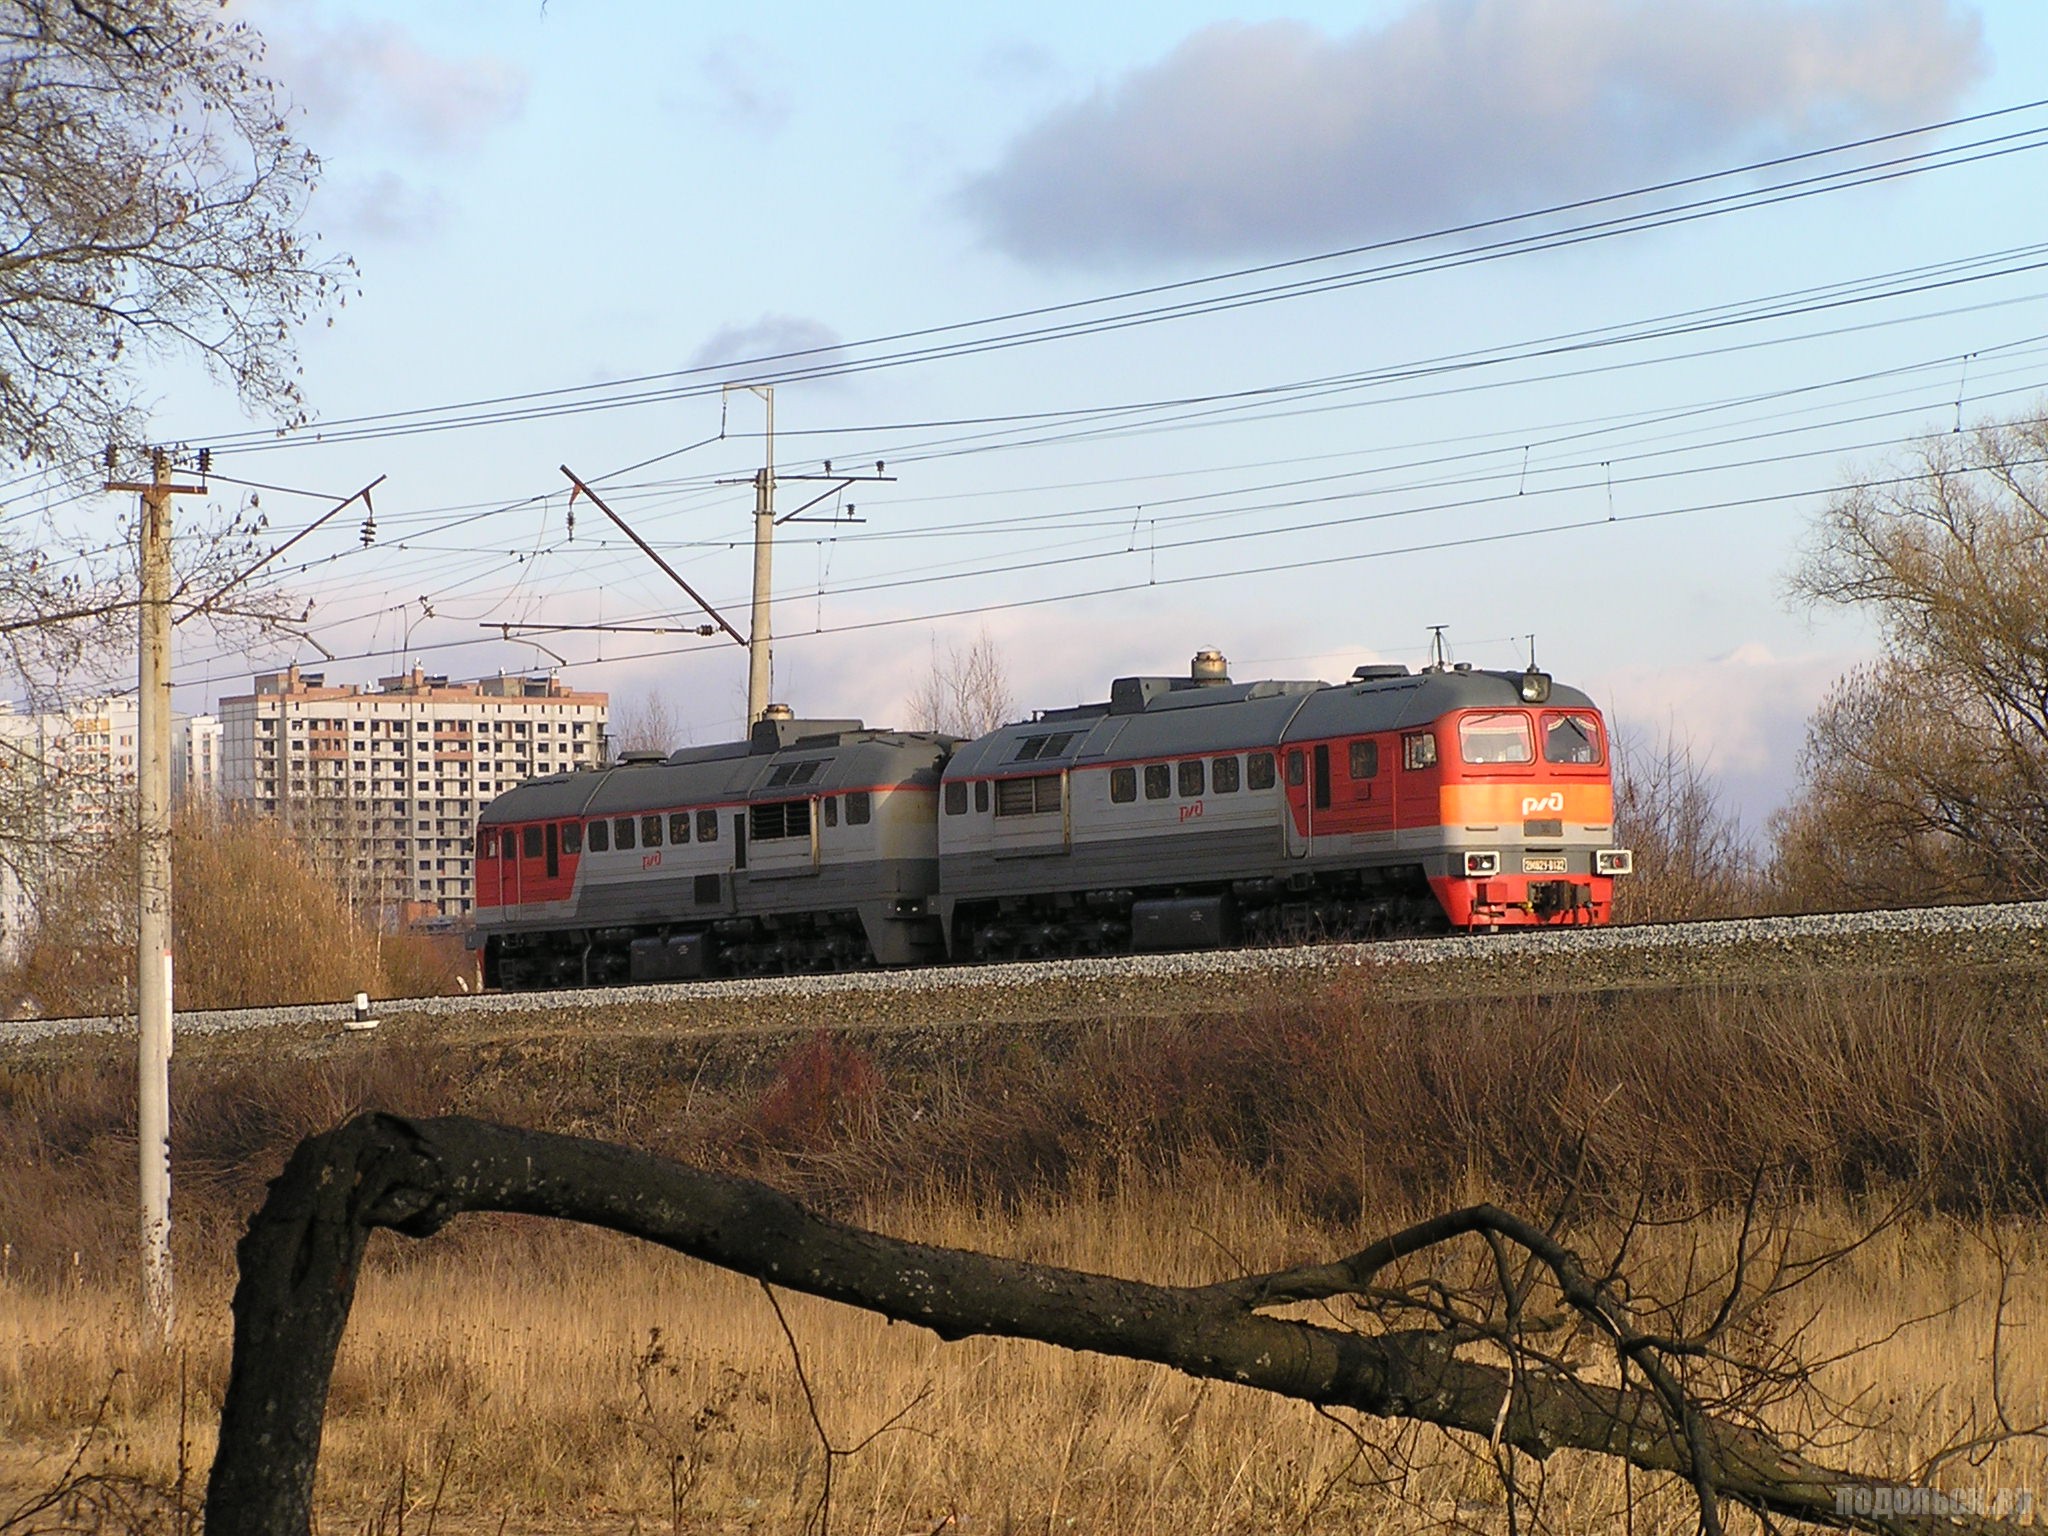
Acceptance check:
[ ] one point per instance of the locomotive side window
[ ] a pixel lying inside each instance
(572, 837)
(1158, 781)
(486, 843)
(650, 831)
(1365, 759)
(679, 827)
(600, 837)
(1496, 738)
(707, 826)
(956, 797)
(1297, 770)
(1223, 775)
(1571, 739)
(859, 807)
(1258, 771)
(981, 794)
(781, 819)
(529, 842)
(1028, 797)
(1123, 785)
(1191, 777)
(831, 810)
(622, 834)
(1419, 750)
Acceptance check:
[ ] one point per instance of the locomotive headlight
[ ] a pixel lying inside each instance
(1535, 687)
(1614, 861)
(1482, 863)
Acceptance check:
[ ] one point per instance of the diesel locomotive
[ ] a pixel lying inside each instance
(1180, 812)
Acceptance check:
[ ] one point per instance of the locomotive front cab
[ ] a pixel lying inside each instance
(1527, 804)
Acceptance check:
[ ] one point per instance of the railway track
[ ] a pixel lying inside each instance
(1723, 952)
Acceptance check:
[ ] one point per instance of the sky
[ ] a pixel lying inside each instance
(1293, 330)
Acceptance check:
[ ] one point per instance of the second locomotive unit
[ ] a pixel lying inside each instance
(1180, 812)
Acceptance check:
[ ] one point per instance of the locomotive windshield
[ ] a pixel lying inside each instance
(1571, 739)
(1496, 738)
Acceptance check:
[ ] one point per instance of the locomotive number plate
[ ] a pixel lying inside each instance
(1543, 864)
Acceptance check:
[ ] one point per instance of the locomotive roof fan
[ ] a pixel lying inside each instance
(1209, 669)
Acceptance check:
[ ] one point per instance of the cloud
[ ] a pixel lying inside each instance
(771, 336)
(384, 207)
(744, 85)
(1277, 137)
(373, 80)
(1743, 715)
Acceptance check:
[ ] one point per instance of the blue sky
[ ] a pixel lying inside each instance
(564, 198)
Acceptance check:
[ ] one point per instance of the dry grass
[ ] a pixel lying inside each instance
(512, 1372)
(551, 1380)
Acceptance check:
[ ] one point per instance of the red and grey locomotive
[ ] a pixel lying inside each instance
(1180, 812)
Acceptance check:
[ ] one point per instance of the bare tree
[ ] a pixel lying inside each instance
(647, 725)
(1691, 856)
(1542, 1353)
(1925, 774)
(151, 197)
(966, 693)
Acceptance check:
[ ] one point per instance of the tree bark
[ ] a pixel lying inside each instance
(301, 1254)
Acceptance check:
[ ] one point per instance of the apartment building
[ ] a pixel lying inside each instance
(195, 757)
(387, 783)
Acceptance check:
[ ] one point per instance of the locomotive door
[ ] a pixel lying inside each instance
(1296, 813)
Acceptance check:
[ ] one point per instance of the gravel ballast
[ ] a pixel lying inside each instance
(1721, 953)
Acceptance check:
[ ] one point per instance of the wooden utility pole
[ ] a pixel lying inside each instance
(153, 878)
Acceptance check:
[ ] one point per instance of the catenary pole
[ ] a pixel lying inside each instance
(760, 662)
(153, 881)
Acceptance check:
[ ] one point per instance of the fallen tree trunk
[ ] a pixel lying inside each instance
(300, 1257)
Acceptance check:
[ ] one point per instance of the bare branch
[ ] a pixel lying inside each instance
(303, 1250)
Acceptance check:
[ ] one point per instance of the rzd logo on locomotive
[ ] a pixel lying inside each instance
(1536, 805)
(1191, 811)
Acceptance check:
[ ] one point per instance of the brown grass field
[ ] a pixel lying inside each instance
(512, 1376)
